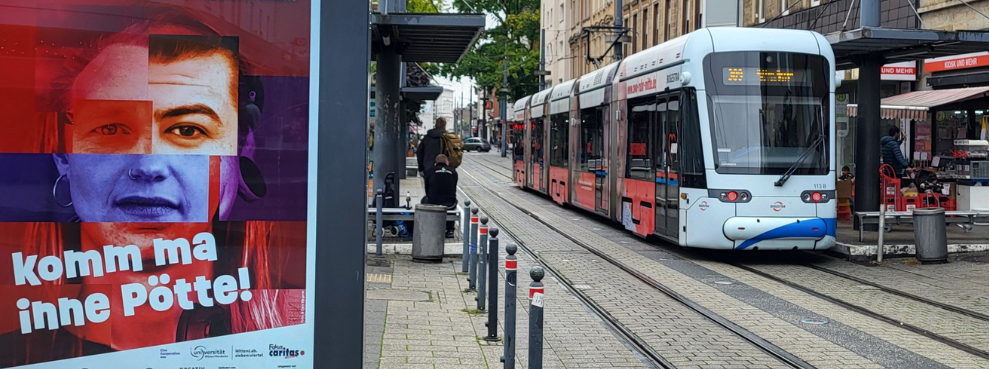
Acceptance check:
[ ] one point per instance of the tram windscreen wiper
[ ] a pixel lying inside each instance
(800, 159)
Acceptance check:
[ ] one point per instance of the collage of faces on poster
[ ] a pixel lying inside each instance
(154, 159)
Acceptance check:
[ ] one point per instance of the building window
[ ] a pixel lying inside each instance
(573, 11)
(635, 29)
(561, 13)
(669, 18)
(784, 8)
(655, 24)
(645, 28)
(760, 11)
(815, 3)
(684, 18)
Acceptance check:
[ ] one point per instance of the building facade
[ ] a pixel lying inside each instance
(652, 22)
(583, 44)
(441, 107)
(555, 26)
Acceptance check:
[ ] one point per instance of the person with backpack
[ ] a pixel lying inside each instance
(438, 141)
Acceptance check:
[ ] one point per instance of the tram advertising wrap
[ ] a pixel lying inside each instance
(153, 201)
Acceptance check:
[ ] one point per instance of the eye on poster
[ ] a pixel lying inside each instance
(153, 209)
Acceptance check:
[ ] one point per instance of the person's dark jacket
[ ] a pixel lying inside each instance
(441, 185)
(429, 147)
(892, 154)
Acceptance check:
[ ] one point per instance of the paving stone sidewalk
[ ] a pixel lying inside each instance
(418, 316)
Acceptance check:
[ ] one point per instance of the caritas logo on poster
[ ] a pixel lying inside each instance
(282, 351)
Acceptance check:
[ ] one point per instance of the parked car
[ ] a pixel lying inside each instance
(476, 144)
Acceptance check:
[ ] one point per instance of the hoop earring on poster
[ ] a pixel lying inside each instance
(55, 192)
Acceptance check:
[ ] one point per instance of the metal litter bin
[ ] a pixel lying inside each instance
(929, 231)
(430, 233)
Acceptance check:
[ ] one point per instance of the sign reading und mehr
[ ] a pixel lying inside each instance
(903, 71)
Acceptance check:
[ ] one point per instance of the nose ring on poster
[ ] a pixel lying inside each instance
(130, 173)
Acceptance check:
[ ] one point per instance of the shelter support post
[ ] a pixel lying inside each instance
(389, 114)
(867, 150)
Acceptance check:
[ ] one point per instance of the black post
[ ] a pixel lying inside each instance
(379, 200)
(472, 277)
(503, 106)
(536, 293)
(492, 286)
(618, 25)
(867, 152)
(511, 264)
(465, 225)
(542, 59)
(482, 263)
(341, 149)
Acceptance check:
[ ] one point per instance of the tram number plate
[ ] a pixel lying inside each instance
(819, 186)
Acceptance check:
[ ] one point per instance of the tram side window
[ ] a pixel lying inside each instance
(518, 131)
(641, 112)
(537, 141)
(665, 121)
(591, 150)
(692, 155)
(559, 126)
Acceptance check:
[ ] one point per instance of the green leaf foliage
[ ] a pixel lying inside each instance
(514, 38)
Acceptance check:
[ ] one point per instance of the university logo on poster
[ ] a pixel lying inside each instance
(161, 158)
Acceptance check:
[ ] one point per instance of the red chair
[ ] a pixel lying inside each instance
(890, 188)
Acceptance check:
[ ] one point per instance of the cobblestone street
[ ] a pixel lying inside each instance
(616, 300)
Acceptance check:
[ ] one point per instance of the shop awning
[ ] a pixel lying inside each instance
(915, 105)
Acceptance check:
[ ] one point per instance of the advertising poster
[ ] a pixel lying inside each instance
(153, 195)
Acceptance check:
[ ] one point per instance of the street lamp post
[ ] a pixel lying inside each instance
(503, 104)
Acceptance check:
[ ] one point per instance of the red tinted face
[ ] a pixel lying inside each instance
(192, 110)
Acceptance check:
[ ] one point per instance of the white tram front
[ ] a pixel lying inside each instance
(722, 138)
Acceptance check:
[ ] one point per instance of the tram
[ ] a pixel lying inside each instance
(722, 138)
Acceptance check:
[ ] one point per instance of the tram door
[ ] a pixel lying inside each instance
(536, 173)
(591, 163)
(665, 133)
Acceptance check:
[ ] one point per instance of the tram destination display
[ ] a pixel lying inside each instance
(749, 76)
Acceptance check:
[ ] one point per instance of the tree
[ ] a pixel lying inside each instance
(423, 6)
(515, 37)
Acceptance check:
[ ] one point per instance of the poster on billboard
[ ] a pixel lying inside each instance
(154, 210)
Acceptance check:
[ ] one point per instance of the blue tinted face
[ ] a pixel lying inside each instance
(138, 188)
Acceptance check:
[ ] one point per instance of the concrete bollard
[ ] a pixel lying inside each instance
(472, 277)
(482, 263)
(379, 200)
(465, 225)
(492, 323)
(511, 264)
(536, 293)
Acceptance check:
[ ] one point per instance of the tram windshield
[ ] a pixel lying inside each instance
(766, 109)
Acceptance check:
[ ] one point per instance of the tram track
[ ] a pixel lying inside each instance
(644, 348)
(876, 315)
(928, 333)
